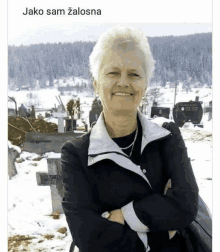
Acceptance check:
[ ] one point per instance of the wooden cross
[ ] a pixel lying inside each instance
(53, 179)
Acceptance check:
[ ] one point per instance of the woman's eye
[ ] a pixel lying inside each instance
(113, 73)
(134, 75)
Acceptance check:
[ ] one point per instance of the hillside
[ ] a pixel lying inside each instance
(182, 58)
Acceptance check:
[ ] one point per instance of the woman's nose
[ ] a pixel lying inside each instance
(123, 81)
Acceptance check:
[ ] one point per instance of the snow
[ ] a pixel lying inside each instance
(161, 120)
(46, 98)
(10, 145)
(30, 206)
(200, 154)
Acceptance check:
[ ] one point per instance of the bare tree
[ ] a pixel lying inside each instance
(152, 96)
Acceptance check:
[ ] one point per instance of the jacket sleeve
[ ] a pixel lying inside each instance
(178, 208)
(90, 231)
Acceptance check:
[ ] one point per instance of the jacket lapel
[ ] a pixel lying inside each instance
(101, 142)
(120, 160)
(101, 146)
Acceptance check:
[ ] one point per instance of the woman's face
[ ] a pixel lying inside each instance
(121, 82)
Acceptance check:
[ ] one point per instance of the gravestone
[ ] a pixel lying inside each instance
(149, 111)
(12, 155)
(93, 116)
(46, 142)
(61, 116)
(95, 111)
(209, 110)
(53, 179)
(70, 124)
(187, 112)
(60, 124)
(160, 112)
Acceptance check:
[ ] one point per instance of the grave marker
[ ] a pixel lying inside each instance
(12, 155)
(160, 112)
(149, 111)
(93, 116)
(209, 110)
(187, 112)
(70, 124)
(53, 179)
(60, 116)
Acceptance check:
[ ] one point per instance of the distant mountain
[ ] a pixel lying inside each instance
(184, 58)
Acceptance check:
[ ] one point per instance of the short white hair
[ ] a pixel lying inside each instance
(121, 35)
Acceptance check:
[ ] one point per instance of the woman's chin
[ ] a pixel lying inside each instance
(124, 111)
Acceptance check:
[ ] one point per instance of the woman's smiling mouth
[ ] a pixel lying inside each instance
(122, 94)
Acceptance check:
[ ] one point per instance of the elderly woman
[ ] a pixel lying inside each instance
(117, 178)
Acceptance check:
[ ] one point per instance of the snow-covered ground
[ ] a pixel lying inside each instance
(29, 205)
(30, 208)
(46, 98)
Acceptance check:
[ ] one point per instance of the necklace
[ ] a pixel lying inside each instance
(132, 144)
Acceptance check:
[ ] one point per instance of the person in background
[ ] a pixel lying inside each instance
(128, 183)
(32, 113)
(22, 111)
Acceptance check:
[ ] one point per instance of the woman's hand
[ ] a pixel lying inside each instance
(115, 215)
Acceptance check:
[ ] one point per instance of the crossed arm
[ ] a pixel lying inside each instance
(157, 212)
(117, 215)
(179, 207)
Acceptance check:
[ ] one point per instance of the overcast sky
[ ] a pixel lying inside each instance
(90, 32)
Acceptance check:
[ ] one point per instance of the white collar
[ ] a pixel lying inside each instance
(101, 142)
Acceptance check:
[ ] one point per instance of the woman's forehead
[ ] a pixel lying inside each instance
(119, 59)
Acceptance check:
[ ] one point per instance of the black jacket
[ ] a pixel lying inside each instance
(98, 177)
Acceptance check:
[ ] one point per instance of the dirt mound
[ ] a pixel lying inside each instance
(17, 127)
(16, 241)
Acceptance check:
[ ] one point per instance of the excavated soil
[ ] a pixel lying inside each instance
(19, 243)
(17, 127)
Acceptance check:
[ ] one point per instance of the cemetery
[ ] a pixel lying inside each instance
(34, 155)
(39, 208)
(51, 99)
